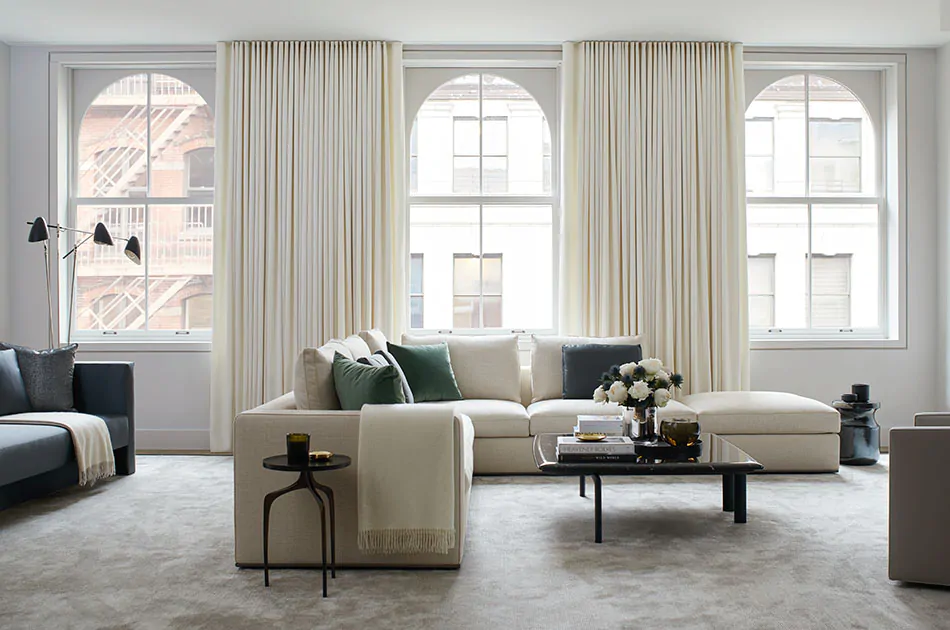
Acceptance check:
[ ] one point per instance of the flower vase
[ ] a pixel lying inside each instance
(644, 423)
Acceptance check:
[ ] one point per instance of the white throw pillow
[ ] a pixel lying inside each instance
(357, 346)
(313, 379)
(547, 379)
(375, 339)
(338, 345)
(485, 366)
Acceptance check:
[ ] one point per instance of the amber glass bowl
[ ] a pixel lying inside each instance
(679, 432)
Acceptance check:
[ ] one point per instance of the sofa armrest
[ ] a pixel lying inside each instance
(108, 388)
(932, 419)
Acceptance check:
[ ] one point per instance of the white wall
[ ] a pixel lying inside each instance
(5, 297)
(904, 380)
(943, 226)
(172, 389)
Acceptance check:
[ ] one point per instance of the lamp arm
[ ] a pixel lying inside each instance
(78, 245)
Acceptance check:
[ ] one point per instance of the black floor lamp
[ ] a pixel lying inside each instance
(39, 233)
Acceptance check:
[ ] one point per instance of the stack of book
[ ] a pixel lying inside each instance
(608, 425)
(611, 449)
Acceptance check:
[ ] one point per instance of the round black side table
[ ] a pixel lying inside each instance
(860, 433)
(306, 482)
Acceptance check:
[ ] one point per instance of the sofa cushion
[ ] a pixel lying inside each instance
(375, 339)
(27, 450)
(13, 398)
(751, 413)
(428, 369)
(357, 384)
(546, 379)
(560, 415)
(492, 418)
(485, 366)
(313, 379)
(583, 365)
(386, 356)
(47, 376)
(358, 347)
(338, 345)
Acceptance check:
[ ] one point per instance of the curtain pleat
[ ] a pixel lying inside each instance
(309, 234)
(653, 221)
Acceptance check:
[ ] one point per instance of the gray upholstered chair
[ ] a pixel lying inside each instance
(919, 523)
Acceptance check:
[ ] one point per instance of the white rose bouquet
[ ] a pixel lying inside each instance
(639, 385)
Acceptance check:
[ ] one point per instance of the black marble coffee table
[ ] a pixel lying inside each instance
(720, 457)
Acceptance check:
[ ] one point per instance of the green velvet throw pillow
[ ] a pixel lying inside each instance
(428, 370)
(357, 384)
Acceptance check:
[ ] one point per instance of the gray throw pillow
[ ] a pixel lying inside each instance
(391, 360)
(13, 398)
(584, 364)
(47, 376)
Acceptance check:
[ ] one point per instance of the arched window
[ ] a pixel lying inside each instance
(482, 198)
(143, 164)
(815, 206)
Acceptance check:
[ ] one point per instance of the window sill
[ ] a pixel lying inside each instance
(827, 344)
(143, 346)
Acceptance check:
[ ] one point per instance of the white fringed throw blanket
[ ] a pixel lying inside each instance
(91, 440)
(406, 479)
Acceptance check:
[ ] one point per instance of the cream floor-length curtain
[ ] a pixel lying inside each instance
(309, 229)
(654, 203)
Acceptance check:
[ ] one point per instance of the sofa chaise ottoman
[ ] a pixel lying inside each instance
(38, 459)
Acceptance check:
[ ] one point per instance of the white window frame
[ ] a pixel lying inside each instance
(63, 133)
(450, 62)
(891, 194)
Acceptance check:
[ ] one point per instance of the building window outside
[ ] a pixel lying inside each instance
(416, 291)
(143, 164)
(815, 209)
(760, 155)
(481, 157)
(831, 291)
(197, 312)
(477, 291)
(762, 291)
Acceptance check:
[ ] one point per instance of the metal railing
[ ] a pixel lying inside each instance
(179, 238)
(137, 85)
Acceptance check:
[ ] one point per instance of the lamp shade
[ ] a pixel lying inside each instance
(101, 235)
(133, 250)
(40, 231)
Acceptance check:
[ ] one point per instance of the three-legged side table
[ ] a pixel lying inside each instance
(323, 495)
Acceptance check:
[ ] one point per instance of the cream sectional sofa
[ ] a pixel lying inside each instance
(507, 404)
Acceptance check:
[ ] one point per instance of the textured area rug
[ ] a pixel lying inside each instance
(154, 550)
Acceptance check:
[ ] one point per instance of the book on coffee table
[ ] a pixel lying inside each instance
(608, 425)
(614, 448)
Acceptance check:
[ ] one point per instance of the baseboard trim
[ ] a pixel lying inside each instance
(178, 440)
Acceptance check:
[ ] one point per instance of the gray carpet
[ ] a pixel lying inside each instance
(155, 551)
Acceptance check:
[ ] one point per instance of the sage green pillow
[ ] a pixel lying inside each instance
(357, 384)
(428, 370)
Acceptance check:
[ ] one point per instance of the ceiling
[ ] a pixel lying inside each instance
(775, 22)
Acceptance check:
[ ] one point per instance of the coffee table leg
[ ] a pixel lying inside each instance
(598, 512)
(583, 486)
(728, 492)
(740, 492)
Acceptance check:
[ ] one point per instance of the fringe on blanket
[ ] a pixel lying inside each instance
(97, 472)
(393, 541)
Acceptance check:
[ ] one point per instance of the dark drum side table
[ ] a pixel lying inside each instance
(306, 482)
(860, 433)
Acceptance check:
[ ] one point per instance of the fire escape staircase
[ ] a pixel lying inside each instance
(116, 313)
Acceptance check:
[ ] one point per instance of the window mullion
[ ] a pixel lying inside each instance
(148, 188)
(481, 207)
(808, 259)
